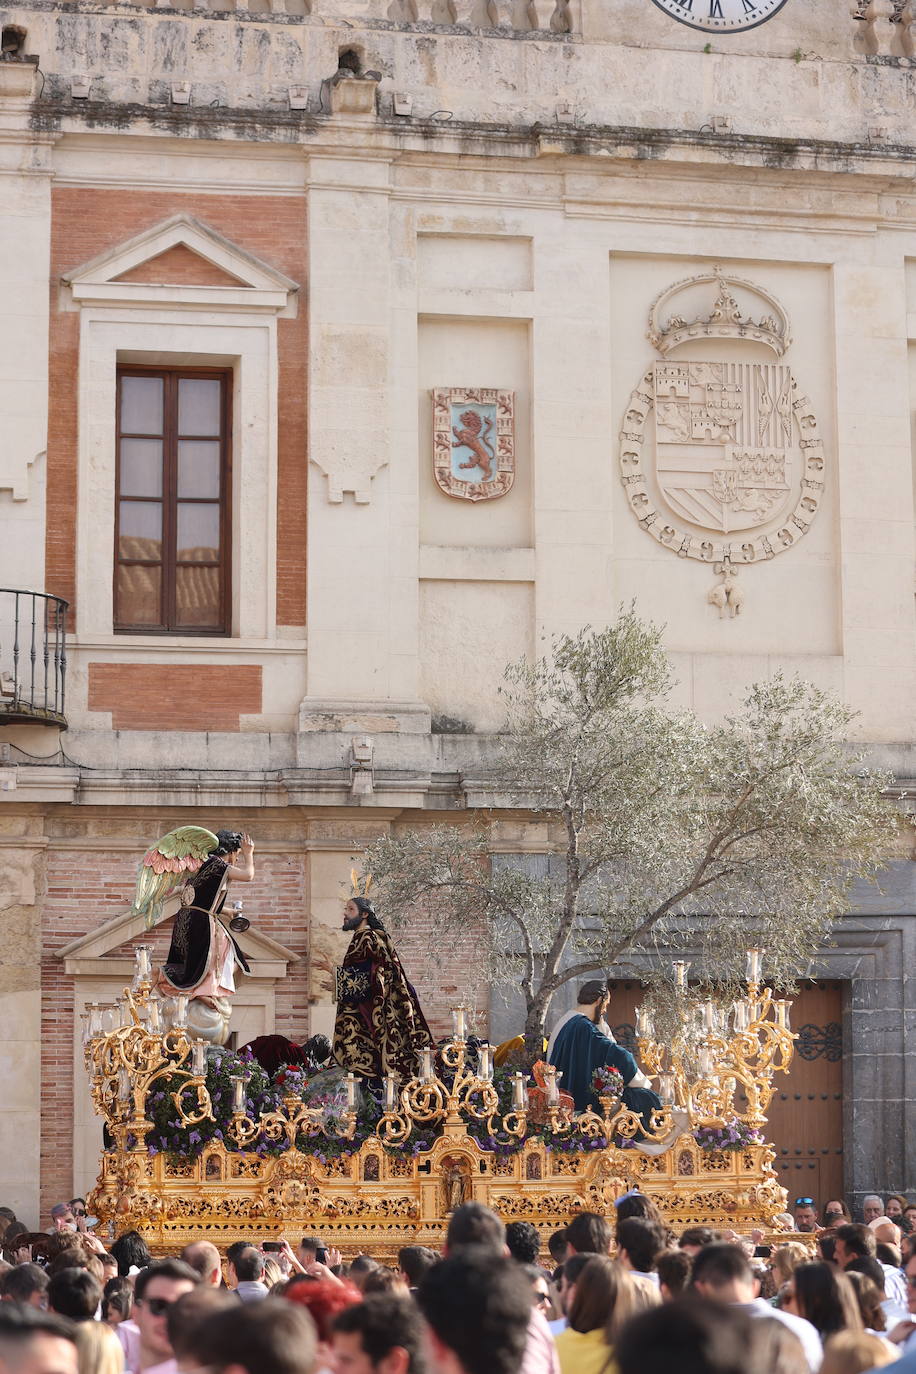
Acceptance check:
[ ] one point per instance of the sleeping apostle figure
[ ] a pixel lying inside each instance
(379, 1028)
(580, 1048)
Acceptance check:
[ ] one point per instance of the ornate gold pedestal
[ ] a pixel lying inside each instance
(375, 1202)
(382, 1195)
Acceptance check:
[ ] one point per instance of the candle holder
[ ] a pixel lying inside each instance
(701, 1066)
(144, 968)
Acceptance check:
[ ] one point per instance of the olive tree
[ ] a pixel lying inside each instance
(666, 833)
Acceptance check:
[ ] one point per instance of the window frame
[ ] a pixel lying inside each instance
(169, 502)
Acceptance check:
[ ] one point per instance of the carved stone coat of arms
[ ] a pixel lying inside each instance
(474, 441)
(724, 435)
(721, 459)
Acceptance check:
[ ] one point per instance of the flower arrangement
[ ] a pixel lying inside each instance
(170, 1136)
(607, 1083)
(318, 1087)
(733, 1135)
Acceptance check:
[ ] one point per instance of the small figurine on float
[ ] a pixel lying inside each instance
(203, 955)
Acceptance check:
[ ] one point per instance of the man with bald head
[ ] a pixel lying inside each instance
(204, 1260)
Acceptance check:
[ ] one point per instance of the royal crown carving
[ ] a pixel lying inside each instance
(732, 313)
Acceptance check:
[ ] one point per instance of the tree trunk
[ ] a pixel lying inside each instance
(535, 1033)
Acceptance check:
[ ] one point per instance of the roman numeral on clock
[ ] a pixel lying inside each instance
(715, 9)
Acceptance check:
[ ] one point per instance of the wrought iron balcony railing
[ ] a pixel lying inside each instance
(33, 658)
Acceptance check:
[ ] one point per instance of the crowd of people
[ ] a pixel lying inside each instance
(618, 1295)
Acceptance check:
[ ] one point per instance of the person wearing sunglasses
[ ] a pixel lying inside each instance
(805, 1215)
(155, 1290)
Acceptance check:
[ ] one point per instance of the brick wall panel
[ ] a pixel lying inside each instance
(87, 222)
(160, 696)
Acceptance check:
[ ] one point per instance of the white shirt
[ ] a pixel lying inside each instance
(895, 1288)
(806, 1333)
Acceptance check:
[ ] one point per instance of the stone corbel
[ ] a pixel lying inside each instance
(349, 465)
(17, 77)
(15, 471)
(362, 780)
(354, 95)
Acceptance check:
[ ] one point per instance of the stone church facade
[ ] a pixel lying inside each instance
(351, 349)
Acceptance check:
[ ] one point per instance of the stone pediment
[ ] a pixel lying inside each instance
(181, 262)
(180, 266)
(101, 951)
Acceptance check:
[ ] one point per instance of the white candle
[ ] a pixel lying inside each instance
(458, 1023)
(782, 1014)
(741, 1015)
(680, 974)
(519, 1093)
(644, 1023)
(350, 1081)
(181, 1011)
(142, 955)
(155, 1023)
(753, 965)
(485, 1062)
(426, 1064)
(123, 1084)
(666, 1087)
(552, 1088)
(391, 1087)
(199, 1058)
(705, 1061)
(238, 1092)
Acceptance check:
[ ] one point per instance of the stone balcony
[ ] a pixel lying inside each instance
(886, 28)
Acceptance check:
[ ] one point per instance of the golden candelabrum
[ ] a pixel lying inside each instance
(384, 1187)
(144, 1039)
(717, 1052)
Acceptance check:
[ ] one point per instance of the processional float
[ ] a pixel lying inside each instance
(374, 1174)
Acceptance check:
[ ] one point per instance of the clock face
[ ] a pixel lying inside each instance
(721, 16)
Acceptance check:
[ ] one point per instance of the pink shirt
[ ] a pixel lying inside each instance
(540, 1355)
(128, 1333)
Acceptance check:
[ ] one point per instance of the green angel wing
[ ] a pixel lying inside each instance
(166, 865)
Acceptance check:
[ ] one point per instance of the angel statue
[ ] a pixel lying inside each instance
(203, 955)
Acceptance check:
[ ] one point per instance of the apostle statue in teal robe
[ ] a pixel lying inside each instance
(580, 1046)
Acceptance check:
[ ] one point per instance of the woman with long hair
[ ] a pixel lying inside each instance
(604, 1299)
(785, 1259)
(117, 1300)
(869, 1297)
(825, 1297)
(98, 1350)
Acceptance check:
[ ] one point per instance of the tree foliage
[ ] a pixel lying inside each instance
(666, 833)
